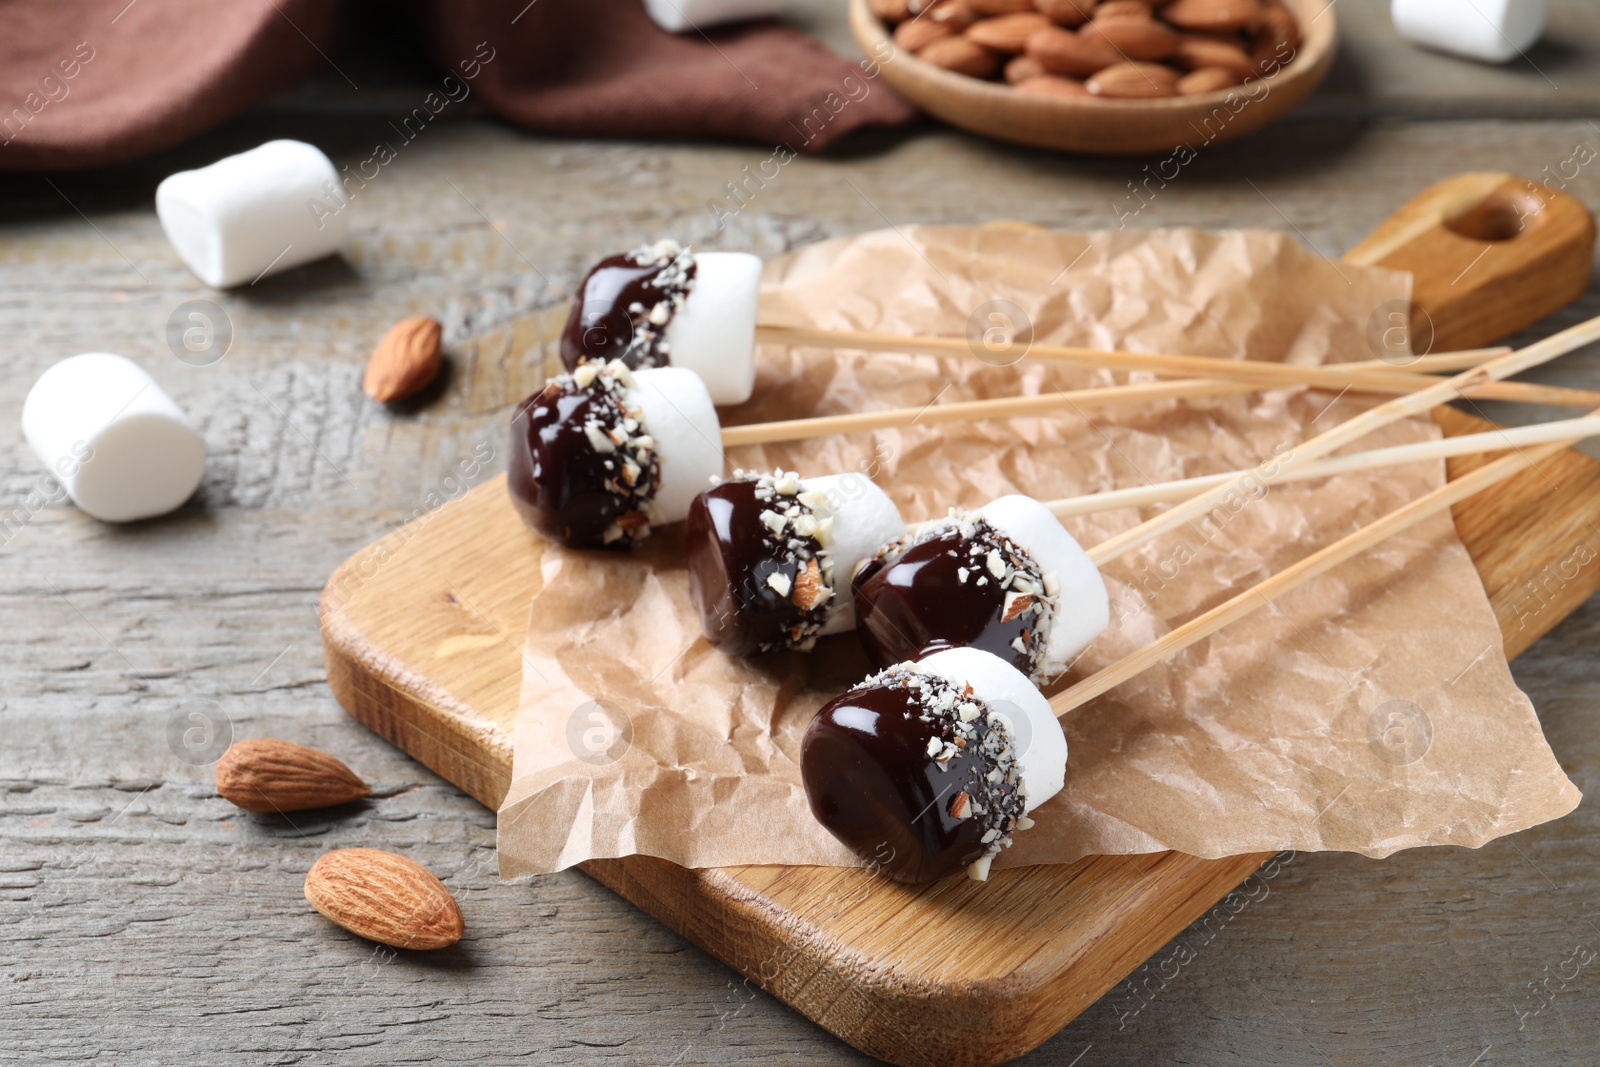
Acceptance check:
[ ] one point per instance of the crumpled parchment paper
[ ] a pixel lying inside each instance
(1368, 711)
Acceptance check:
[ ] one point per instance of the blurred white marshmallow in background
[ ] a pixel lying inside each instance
(675, 16)
(1491, 30)
(256, 213)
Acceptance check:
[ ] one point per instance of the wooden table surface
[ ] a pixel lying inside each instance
(143, 920)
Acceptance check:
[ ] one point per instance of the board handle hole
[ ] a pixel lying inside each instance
(1500, 216)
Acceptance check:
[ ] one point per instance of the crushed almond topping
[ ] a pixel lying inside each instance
(1016, 604)
(809, 591)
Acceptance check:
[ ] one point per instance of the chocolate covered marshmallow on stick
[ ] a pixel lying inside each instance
(929, 766)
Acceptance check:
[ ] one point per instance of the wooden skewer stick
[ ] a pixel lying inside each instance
(818, 337)
(1467, 444)
(762, 433)
(1332, 376)
(1390, 411)
(1325, 559)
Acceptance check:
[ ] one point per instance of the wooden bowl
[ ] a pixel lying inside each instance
(1099, 126)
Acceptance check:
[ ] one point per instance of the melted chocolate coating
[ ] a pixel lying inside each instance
(731, 553)
(559, 484)
(871, 784)
(601, 326)
(907, 601)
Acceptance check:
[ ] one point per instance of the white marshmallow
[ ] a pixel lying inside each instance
(1035, 731)
(864, 520)
(1495, 31)
(714, 332)
(1082, 607)
(113, 438)
(677, 411)
(675, 16)
(259, 212)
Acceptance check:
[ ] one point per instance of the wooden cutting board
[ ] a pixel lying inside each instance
(423, 631)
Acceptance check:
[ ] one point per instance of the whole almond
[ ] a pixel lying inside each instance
(1065, 12)
(268, 775)
(1134, 81)
(961, 56)
(1276, 38)
(1193, 53)
(953, 13)
(1052, 85)
(1207, 80)
(1132, 37)
(385, 898)
(405, 361)
(1006, 33)
(1061, 51)
(917, 33)
(1212, 14)
(1021, 68)
(1111, 9)
(1000, 7)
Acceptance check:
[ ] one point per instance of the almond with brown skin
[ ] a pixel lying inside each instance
(385, 898)
(1134, 81)
(405, 361)
(1208, 80)
(890, 10)
(953, 13)
(1000, 7)
(1021, 68)
(1052, 85)
(1277, 36)
(1008, 33)
(1061, 51)
(1069, 13)
(1212, 14)
(917, 33)
(1194, 53)
(1133, 37)
(1111, 9)
(268, 775)
(961, 56)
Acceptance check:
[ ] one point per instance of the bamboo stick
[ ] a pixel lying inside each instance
(762, 433)
(1465, 445)
(1390, 411)
(1293, 576)
(1383, 379)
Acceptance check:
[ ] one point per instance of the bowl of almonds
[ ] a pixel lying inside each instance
(1114, 77)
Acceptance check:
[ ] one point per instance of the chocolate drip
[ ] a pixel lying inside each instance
(624, 305)
(756, 589)
(872, 782)
(937, 588)
(566, 488)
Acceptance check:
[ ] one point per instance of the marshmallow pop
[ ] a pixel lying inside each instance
(662, 305)
(770, 556)
(600, 455)
(1006, 579)
(929, 766)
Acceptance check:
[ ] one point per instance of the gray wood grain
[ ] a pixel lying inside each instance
(143, 920)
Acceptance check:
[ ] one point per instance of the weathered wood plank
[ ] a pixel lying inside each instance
(1422, 958)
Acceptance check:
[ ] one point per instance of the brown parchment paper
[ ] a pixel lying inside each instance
(1368, 711)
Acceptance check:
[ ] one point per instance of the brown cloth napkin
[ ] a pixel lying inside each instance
(89, 82)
